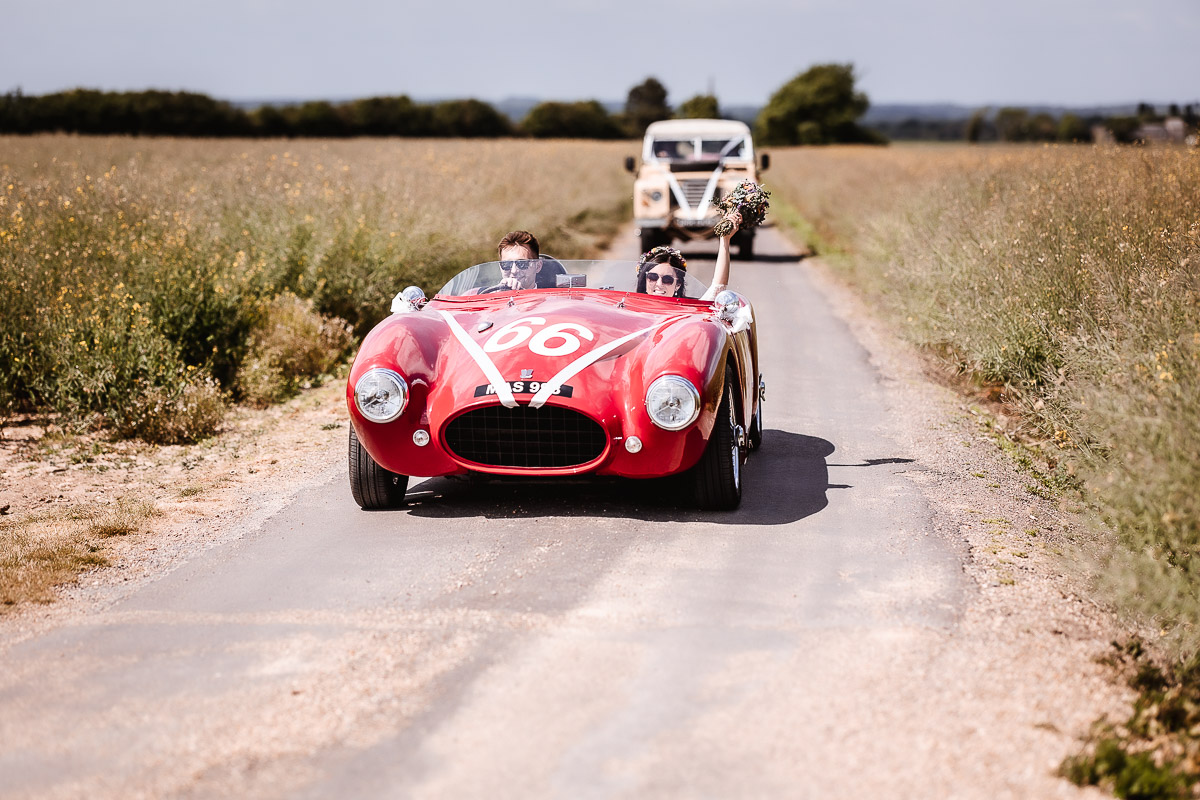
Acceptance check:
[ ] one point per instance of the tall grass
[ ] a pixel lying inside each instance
(1071, 277)
(138, 278)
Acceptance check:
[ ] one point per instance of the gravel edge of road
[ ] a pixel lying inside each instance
(250, 471)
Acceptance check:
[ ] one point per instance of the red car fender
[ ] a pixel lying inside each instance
(695, 349)
(410, 344)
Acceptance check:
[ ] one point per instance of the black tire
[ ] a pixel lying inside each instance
(373, 486)
(754, 433)
(717, 477)
(746, 245)
(652, 238)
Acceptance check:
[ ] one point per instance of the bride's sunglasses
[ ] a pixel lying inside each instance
(664, 279)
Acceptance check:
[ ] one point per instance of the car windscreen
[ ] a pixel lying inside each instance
(552, 273)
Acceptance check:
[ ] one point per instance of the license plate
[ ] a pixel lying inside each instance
(522, 387)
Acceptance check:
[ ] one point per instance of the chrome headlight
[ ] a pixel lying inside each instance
(381, 394)
(672, 402)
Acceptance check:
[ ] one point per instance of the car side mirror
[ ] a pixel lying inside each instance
(766, 162)
(630, 164)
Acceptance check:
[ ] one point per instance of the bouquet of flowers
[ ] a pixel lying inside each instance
(748, 199)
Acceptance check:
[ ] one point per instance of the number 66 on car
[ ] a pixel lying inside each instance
(580, 376)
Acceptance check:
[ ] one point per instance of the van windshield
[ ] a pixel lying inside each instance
(691, 149)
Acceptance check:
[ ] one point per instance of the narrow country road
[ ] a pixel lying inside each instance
(835, 637)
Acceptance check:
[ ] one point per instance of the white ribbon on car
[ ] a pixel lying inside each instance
(677, 190)
(709, 191)
(503, 390)
(589, 358)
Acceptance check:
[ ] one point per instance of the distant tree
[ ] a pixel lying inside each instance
(646, 103)
(1123, 129)
(1073, 129)
(1189, 115)
(1041, 128)
(471, 118)
(1147, 113)
(316, 118)
(1012, 124)
(584, 120)
(819, 106)
(270, 121)
(975, 125)
(1173, 110)
(14, 112)
(176, 114)
(702, 106)
(388, 116)
(921, 130)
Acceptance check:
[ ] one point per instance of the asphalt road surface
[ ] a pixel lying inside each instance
(542, 640)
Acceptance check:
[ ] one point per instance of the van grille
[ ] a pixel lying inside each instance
(694, 190)
(524, 437)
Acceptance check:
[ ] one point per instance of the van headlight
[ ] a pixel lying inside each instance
(381, 394)
(672, 402)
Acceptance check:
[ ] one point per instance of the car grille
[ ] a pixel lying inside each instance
(694, 190)
(536, 438)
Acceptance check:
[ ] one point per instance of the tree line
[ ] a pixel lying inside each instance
(818, 106)
(821, 105)
(161, 113)
(1015, 124)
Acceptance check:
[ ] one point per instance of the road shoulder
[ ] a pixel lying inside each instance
(1030, 636)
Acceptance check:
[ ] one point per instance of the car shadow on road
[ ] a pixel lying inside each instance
(784, 481)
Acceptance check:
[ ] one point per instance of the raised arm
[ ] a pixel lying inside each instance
(721, 273)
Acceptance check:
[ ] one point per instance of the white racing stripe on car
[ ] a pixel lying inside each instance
(503, 391)
(587, 359)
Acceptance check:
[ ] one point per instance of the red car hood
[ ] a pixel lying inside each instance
(551, 340)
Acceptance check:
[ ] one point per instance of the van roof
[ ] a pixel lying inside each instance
(697, 127)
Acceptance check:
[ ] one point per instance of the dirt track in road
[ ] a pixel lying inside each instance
(884, 616)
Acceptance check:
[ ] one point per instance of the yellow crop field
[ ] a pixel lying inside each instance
(144, 280)
(1069, 278)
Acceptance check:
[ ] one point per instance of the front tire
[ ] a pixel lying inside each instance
(373, 486)
(746, 245)
(717, 477)
(652, 238)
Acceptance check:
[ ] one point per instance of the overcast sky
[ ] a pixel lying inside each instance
(1023, 52)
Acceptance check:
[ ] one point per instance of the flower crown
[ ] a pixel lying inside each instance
(662, 248)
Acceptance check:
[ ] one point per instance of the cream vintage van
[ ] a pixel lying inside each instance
(687, 166)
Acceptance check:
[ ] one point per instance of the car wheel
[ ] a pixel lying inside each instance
(372, 485)
(718, 475)
(746, 246)
(650, 239)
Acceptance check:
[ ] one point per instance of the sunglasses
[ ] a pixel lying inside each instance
(520, 266)
(665, 280)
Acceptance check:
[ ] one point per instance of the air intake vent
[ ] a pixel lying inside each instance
(549, 437)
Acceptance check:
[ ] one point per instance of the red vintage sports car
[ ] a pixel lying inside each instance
(583, 376)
